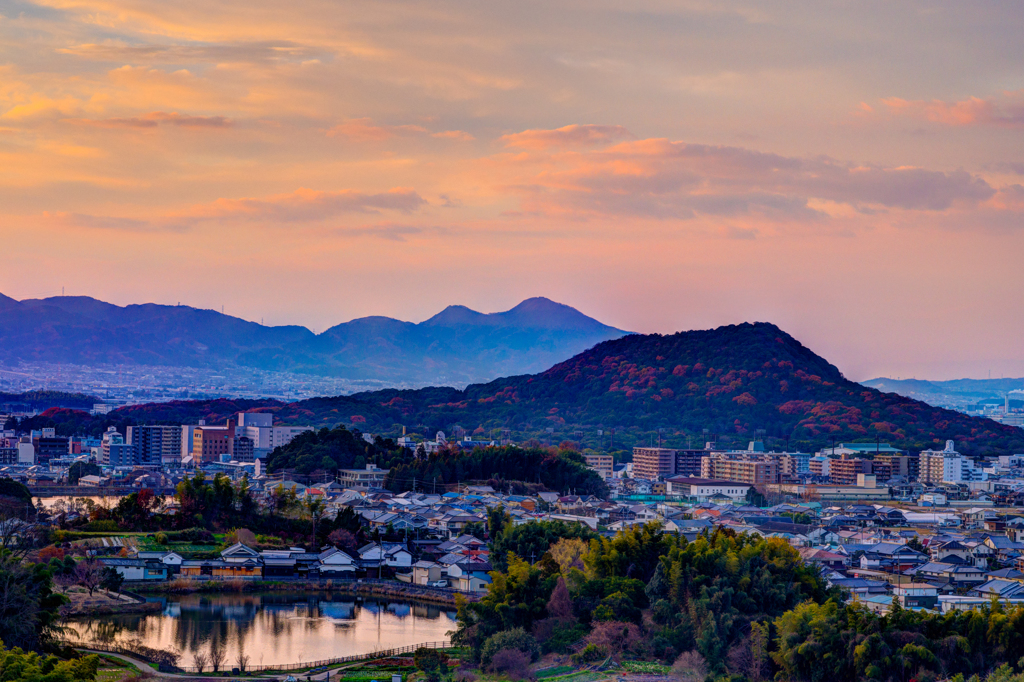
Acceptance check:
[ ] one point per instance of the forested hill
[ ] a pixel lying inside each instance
(732, 381)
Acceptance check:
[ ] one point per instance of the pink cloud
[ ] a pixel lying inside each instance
(1006, 111)
(567, 136)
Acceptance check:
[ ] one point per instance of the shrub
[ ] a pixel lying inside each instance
(466, 676)
(615, 637)
(512, 663)
(516, 638)
(589, 654)
(562, 637)
(106, 526)
(432, 662)
(161, 538)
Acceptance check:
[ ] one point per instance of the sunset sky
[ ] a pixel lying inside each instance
(851, 171)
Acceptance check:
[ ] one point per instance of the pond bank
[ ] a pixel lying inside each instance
(361, 588)
(102, 603)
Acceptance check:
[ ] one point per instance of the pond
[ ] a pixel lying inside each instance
(273, 628)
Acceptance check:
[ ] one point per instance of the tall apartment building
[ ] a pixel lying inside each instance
(898, 465)
(652, 464)
(947, 466)
(844, 470)
(155, 446)
(742, 467)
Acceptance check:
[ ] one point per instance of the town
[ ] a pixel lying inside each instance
(936, 529)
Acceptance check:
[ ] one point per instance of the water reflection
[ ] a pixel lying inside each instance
(274, 628)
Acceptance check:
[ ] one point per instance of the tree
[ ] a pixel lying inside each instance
(217, 656)
(314, 507)
(111, 579)
(89, 574)
(690, 667)
(79, 469)
(432, 662)
(200, 660)
(21, 666)
(516, 638)
(243, 661)
(513, 664)
(915, 544)
(29, 609)
(343, 540)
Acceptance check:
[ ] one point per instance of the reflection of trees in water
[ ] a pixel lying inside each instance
(233, 622)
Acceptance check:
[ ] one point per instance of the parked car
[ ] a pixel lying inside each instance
(439, 583)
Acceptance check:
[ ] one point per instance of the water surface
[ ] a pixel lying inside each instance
(273, 628)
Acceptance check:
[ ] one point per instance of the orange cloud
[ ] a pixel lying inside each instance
(312, 205)
(364, 129)
(154, 118)
(663, 179)
(1007, 111)
(567, 136)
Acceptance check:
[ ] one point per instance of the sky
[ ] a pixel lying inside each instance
(852, 171)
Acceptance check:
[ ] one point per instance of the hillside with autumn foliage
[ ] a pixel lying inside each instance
(733, 381)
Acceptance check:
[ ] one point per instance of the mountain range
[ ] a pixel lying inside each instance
(455, 347)
(740, 382)
(956, 392)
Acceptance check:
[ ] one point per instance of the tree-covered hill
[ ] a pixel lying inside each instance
(733, 381)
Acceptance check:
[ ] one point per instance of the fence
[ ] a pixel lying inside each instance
(330, 662)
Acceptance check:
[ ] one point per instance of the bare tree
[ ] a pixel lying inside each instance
(89, 574)
(65, 581)
(217, 656)
(243, 660)
(200, 660)
(690, 667)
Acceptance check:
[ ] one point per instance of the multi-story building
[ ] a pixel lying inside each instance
(820, 465)
(902, 466)
(844, 470)
(242, 449)
(212, 443)
(259, 427)
(114, 452)
(652, 464)
(50, 447)
(363, 479)
(602, 464)
(794, 463)
(740, 467)
(155, 446)
(947, 466)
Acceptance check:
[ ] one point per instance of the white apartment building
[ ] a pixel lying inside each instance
(948, 466)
